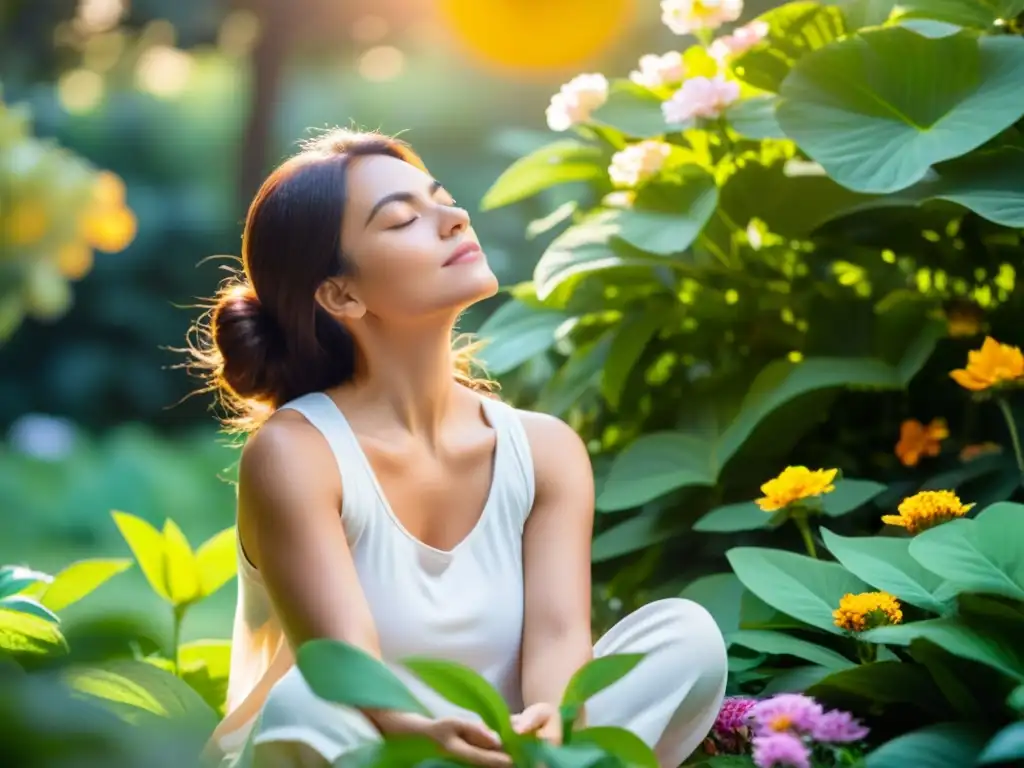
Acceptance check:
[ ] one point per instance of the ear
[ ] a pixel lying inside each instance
(338, 300)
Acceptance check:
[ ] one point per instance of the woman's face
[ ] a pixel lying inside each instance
(415, 253)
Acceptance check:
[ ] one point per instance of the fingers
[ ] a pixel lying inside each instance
(478, 735)
(532, 718)
(486, 758)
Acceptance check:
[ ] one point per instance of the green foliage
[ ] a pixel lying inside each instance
(791, 286)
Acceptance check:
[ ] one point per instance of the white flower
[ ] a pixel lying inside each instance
(638, 162)
(685, 16)
(700, 97)
(739, 42)
(576, 100)
(656, 71)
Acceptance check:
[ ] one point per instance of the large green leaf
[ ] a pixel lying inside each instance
(794, 30)
(754, 118)
(206, 665)
(147, 544)
(980, 14)
(347, 675)
(994, 648)
(27, 604)
(632, 535)
(627, 347)
(885, 563)
(80, 579)
(134, 689)
(1007, 746)
(15, 579)
(779, 644)
(666, 218)
(574, 378)
(180, 566)
(589, 246)
(598, 674)
(721, 595)
(217, 560)
(741, 516)
(987, 183)
(516, 333)
(880, 682)
(625, 745)
(633, 110)
(985, 554)
(22, 632)
(797, 585)
(849, 495)
(877, 124)
(782, 382)
(653, 465)
(947, 745)
(562, 162)
(464, 688)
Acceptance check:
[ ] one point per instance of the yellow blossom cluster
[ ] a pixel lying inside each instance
(927, 509)
(796, 484)
(867, 610)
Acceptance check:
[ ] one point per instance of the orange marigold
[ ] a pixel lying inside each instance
(927, 509)
(867, 610)
(795, 484)
(917, 440)
(993, 365)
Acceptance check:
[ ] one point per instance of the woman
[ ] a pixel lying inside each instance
(465, 524)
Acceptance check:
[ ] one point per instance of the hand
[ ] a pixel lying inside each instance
(474, 743)
(542, 720)
(471, 742)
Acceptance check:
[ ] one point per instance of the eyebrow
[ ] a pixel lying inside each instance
(398, 197)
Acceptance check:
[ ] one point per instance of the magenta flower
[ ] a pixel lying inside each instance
(781, 750)
(732, 726)
(838, 727)
(784, 713)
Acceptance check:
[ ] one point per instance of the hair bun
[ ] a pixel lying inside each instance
(250, 344)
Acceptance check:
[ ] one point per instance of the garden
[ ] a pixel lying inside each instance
(774, 291)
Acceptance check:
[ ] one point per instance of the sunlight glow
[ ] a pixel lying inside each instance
(164, 71)
(80, 90)
(98, 15)
(239, 33)
(383, 62)
(369, 29)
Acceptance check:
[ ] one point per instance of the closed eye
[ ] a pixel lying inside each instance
(404, 224)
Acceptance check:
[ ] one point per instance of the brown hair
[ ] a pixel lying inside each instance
(265, 340)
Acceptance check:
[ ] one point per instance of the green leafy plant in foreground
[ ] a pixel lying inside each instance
(346, 675)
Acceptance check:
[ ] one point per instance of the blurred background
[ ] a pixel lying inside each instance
(175, 110)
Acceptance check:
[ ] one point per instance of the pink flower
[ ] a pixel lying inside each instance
(838, 727)
(781, 750)
(732, 726)
(786, 713)
(685, 16)
(576, 100)
(739, 42)
(638, 162)
(656, 71)
(700, 97)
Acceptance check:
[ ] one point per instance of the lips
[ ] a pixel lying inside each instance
(465, 252)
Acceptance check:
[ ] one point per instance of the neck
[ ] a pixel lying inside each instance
(409, 370)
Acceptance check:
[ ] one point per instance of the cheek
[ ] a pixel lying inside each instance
(398, 273)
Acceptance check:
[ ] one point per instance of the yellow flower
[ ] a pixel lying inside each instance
(917, 440)
(795, 484)
(74, 260)
(991, 366)
(927, 509)
(976, 450)
(26, 224)
(866, 611)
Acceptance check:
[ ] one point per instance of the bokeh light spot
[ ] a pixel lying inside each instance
(383, 62)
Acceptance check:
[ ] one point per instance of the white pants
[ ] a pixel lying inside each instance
(670, 700)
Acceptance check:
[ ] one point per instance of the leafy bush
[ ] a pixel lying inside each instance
(786, 244)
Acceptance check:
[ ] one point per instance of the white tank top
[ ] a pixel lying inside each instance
(464, 605)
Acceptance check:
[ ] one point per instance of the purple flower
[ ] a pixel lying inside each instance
(786, 713)
(732, 726)
(838, 727)
(781, 750)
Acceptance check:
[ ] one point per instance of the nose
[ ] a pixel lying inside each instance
(453, 221)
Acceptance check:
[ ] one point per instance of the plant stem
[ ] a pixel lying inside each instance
(1004, 406)
(805, 531)
(179, 616)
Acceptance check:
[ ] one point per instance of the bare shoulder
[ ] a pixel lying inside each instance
(285, 455)
(559, 454)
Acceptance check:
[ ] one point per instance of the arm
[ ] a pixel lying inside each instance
(556, 561)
